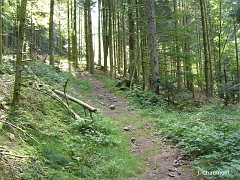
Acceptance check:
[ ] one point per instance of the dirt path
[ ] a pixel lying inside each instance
(163, 162)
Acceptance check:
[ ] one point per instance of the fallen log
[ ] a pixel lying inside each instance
(74, 114)
(46, 89)
(83, 104)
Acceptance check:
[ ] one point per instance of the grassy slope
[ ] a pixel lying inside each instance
(65, 148)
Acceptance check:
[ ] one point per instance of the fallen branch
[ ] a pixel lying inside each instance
(14, 126)
(83, 104)
(74, 114)
(46, 89)
(9, 154)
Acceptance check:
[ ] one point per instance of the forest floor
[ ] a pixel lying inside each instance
(163, 161)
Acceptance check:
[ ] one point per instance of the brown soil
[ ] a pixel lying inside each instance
(163, 161)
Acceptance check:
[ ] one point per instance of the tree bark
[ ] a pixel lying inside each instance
(1, 30)
(18, 73)
(99, 35)
(105, 36)
(69, 35)
(86, 35)
(74, 35)
(110, 35)
(206, 46)
(237, 61)
(152, 40)
(177, 49)
(131, 31)
(90, 39)
(124, 46)
(51, 35)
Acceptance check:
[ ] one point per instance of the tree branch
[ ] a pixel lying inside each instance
(86, 106)
(12, 125)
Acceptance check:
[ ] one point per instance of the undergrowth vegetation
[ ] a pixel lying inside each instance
(50, 143)
(208, 135)
(43, 141)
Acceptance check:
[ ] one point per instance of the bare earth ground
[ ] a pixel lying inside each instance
(163, 161)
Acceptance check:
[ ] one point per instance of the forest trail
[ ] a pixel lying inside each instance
(163, 161)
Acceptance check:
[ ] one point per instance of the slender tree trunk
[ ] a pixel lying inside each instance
(119, 44)
(18, 75)
(110, 35)
(199, 52)
(51, 35)
(90, 39)
(209, 51)
(1, 30)
(69, 35)
(152, 35)
(131, 32)
(80, 41)
(187, 61)
(143, 44)
(206, 48)
(60, 38)
(114, 29)
(86, 31)
(105, 35)
(237, 61)
(219, 65)
(138, 62)
(124, 46)
(177, 49)
(99, 35)
(74, 35)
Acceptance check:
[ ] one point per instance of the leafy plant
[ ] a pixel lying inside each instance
(210, 138)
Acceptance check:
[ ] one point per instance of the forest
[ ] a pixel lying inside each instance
(121, 89)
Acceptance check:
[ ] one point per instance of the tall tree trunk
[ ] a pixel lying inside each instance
(99, 35)
(18, 75)
(219, 64)
(115, 45)
(1, 30)
(143, 44)
(51, 35)
(105, 36)
(187, 61)
(138, 62)
(74, 35)
(177, 49)
(131, 28)
(69, 35)
(60, 38)
(110, 35)
(86, 31)
(90, 39)
(119, 44)
(206, 46)
(237, 61)
(124, 46)
(80, 30)
(152, 40)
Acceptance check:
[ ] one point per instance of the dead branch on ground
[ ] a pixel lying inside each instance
(83, 104)
(16, 127)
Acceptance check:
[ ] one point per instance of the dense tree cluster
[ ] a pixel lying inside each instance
(195, 43)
